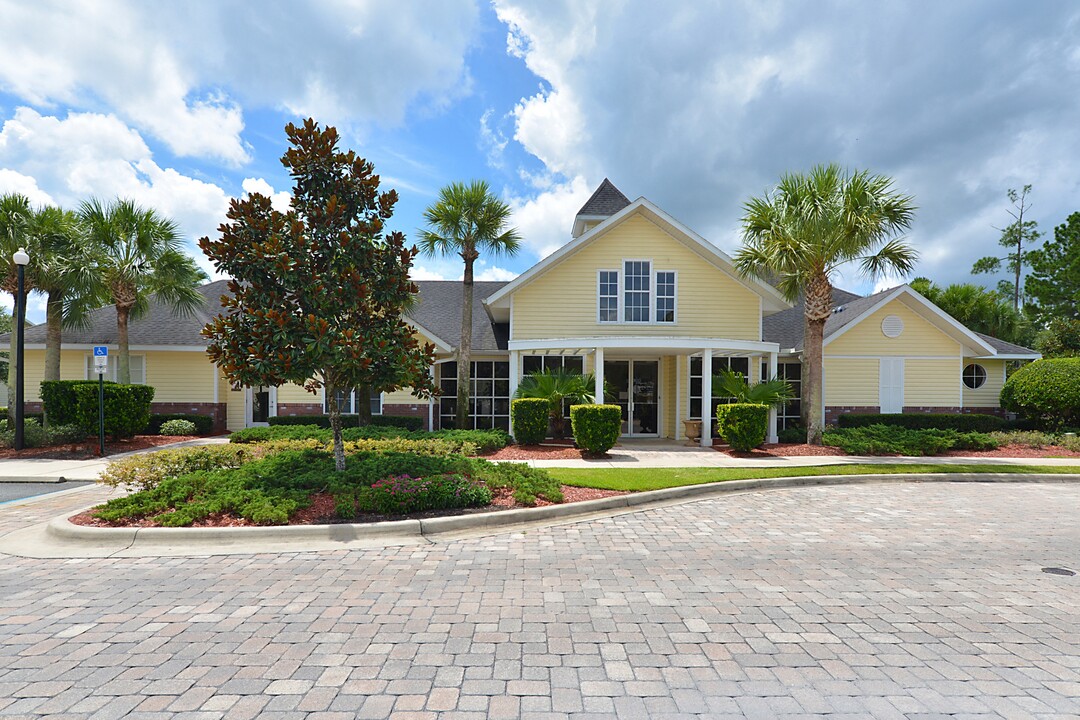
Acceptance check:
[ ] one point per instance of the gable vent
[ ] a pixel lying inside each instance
(892, 326)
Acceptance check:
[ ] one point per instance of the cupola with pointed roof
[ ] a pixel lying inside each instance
(604, 202)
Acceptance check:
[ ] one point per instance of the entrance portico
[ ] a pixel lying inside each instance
(654, 402)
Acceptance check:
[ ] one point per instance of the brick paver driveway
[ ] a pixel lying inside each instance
(873, 601)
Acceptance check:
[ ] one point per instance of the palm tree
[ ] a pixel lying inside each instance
(16, 217)
(137, 253)
(65, 274)
(802, 232)
(730, 384)
(557, 387)
(467, 220)
(979, 309)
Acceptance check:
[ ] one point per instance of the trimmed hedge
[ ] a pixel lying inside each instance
(743, 425)
(975, 422)
(204, 424)
(389, 438)
(1046, 392)
(596, 427)
(893, 440)
(127, 408)
(405, 422)
(59, 400)
(530, 420)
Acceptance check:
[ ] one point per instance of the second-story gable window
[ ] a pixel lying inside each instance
(609, 296)
(637, 280)
(665, 296)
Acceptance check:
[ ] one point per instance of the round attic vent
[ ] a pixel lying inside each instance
(892, 326)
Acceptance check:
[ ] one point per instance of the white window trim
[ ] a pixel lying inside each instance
(352, 396)
(622, 292)
(675, 297)
(963, 376)
(90, 375)
(618, 299)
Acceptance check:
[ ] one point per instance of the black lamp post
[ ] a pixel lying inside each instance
(21, 259)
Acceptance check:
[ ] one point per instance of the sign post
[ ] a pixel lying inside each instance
(101, 366)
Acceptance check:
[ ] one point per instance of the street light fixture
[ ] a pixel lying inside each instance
(21, 259)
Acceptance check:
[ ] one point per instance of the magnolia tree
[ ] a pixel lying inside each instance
(317, 293)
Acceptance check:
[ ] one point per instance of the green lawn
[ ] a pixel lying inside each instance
(638, 479)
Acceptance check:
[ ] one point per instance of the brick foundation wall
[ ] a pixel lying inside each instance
(833, 412)
(218, 411)
(963, 411)
(410, 410)
(290, 409)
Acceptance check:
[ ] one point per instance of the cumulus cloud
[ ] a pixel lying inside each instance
(545, 220)
(280, 200)
(13, 182)
(180, 72)
(87, 154)
(700, 107)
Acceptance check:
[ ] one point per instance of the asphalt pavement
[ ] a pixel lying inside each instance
(17, 491)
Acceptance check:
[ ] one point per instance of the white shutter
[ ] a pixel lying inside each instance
(891, 385)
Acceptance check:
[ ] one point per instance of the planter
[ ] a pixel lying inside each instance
(693, 432)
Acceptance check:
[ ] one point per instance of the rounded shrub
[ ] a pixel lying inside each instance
(530, 420)
(1046, 392)
(743, 425)
(596, 427)
(178, 427)
(34, 436)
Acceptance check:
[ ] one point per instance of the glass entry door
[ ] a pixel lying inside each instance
(633, 385)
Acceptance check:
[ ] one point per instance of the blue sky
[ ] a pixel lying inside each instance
(695, 106)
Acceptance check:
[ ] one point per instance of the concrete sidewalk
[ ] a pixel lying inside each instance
(44, 470)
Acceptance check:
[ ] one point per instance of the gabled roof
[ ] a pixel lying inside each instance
(786, 328)
(772, 300)
(605, 201)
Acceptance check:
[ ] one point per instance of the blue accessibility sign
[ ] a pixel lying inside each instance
(101, 351)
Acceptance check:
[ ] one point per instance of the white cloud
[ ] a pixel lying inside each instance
(497, 274)
(180, 71)
(492, 140)
(280, 200)
(544, 221)
(13, 182)
(88, 154)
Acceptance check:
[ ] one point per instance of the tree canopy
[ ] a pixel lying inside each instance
(1054, 282)
(318, 292)
(979, 309)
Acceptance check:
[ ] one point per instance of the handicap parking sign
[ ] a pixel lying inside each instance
(101, 351)
(101, 359)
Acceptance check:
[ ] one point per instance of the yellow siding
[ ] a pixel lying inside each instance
(562, 302)
(851, 381)
(989, 395)
(919, 337)
(403, 396)
(668, 394)
(290, 393)
(180, 377)
(931, 383)
(234, 404)
(72, 367)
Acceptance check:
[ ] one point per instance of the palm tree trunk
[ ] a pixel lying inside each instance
(812, 410)
(464, 359)
(54, 320)
(123, 359)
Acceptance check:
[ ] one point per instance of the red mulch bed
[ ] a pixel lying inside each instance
(1016, 451)
(783, 450)
(536, 452)
(88, 450)
(321, 511)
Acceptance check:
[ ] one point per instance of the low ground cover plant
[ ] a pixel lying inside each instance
(177, 427)
(894, 440)
(375, 438)
(269, 482)
(204, 424)
(35, 436)
(1037, 439)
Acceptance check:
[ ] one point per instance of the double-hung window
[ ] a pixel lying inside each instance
(641, 295)
(349, 402)
(637, 282)
(609, 296)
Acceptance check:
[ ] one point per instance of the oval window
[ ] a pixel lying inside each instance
(974, 376)
(892, 326)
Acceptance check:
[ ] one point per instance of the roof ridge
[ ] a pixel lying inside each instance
(605, 201)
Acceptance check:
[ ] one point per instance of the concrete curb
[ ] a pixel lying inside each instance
(314, 537)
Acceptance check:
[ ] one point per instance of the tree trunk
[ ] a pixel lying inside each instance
(817, 307)
(123, 359)
(464, 358)
(363, 405)
(335, 426)
(54, 320)
(813, 412)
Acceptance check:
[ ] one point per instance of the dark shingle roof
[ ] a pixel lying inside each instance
(606, 201)
(786, 327)
(160, 326)
(439, 312)
(1007, 348)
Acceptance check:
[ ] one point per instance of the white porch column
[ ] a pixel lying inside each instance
(598, 374)
(706, 398)
(772, 437)
(515, 367)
